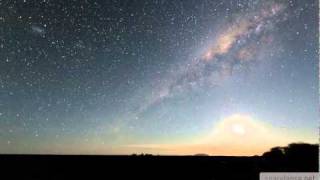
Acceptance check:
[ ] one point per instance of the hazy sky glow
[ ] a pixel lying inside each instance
(162, 77)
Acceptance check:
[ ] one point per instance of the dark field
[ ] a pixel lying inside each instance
(295, 158)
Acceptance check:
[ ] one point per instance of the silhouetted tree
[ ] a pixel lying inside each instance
(294, 157)
(275, 153)
(302, 156)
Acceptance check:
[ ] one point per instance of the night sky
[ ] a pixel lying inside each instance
(162, 77)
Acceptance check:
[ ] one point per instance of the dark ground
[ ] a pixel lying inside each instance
(295, 158)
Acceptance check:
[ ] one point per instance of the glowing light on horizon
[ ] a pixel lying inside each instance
(238, 129)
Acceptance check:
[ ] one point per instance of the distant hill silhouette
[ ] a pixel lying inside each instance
(201, 154)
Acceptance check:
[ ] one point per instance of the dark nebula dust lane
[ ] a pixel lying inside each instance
(237, 44)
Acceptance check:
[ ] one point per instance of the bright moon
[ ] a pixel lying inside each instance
(241, 134)
(238, 129)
